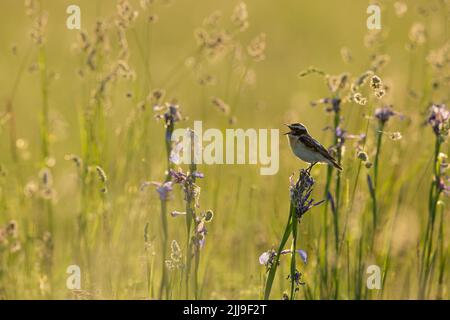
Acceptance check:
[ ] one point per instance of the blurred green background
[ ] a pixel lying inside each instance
(250, 210)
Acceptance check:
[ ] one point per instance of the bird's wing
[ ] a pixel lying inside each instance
(315, 145)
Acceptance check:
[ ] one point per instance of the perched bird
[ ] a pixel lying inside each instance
(307, 148)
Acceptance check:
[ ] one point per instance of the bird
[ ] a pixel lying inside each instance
(307, 148)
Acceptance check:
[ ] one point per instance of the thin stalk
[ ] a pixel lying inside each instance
(164, 285)
(235, 102)
(336, 123)
(143, 53)
(273, 268)
(443, 261)
(360, 163)
(373, 191)
(44, 112)
(337, 120)
(378, 151)
(10, 109)
(433, 199)
(432, 207)
(148, 265)
(44, 127)
(164, 279)
(294, 224)
(190, 217)
(325, 218)
(338, 183)
(197, 263)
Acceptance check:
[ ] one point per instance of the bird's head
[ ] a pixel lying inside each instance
(297, 129)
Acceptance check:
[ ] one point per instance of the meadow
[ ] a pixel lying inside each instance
(94, 206)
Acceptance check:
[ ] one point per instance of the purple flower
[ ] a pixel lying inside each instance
(164, 189)
(200, 232)
(178, 176)
(303, 256)
(201, 242)
(297, 279)
(264, 258)
(332, 104)
(267, 258)
(198, 174)
(175, 153)
(444, 185)
(301, 193)
(384, 114)
(302, 253)
(320, 101)
(439, 119)
(336, 104)
(172, 114)
(341, 134)
(177, 213)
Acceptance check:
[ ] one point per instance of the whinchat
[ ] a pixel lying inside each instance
(307, 148)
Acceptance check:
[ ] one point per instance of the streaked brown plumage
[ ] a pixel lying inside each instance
(307, 148)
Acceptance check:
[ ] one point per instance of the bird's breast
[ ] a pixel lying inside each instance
(303, 152)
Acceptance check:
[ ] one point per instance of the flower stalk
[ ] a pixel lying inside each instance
(301, 202)
(439, 120)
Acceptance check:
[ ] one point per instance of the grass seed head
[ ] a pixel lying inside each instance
(101, 174)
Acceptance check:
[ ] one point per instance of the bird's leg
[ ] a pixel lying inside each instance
(310, 167)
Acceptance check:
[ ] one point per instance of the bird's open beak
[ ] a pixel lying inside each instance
(289, 128)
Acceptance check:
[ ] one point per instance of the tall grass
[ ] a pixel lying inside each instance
(438, 120)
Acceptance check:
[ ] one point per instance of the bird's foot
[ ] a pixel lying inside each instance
(308, 170)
